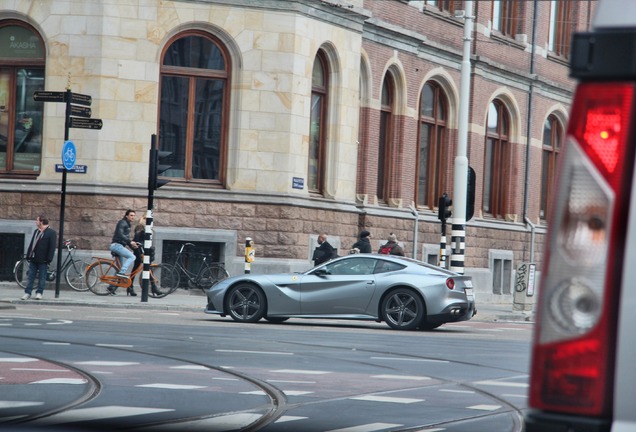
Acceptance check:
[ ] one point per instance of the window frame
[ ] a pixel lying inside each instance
(497, 167)
(437, 147)
(322, 92)
(505, 15)
(13, 65)
(193, 75)
(550, 153)
(560, 28)
(385, 138)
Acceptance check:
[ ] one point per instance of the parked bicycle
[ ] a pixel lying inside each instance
(72, 268)
(102, 279)
(207, 274)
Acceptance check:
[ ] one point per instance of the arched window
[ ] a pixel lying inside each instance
(433, 152)
(318, 124)
(560, 27)
(195, 74)
(385, 137)
(552, 138)
(497, 160)
(21, 73)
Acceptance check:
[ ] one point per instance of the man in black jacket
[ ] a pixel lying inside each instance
(121, 239)
(364, 243)
(40, 254)
(324, 252)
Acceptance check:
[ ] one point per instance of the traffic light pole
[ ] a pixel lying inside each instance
(460, 178)
(152, 177)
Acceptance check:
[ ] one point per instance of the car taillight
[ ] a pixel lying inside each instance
(573, 360)
(450, 283)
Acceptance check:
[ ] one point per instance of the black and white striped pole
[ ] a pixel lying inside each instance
(458, 227)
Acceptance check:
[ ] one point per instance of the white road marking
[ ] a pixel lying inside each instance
(40, 370)
(106, 363)
(502, 384)
(409, 359)
(4, 404)
(100, 413)
(402, 377)
(387, 399)
(371, 427)
(515, 395)
(225, 379)
(17, 359)
(290, 382)
(254, 352)
(457, 391)
(191, 367)
(114, 346)
(284, 419)
(485, 407)
(296, 392)
(171, 386)
(61, 381)
(300, 371)
(32, 324)
(55, 343)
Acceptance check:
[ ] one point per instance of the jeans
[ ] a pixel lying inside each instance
(126, 255)
(35, 268)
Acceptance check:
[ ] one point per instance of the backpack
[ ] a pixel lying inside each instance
(386, 249)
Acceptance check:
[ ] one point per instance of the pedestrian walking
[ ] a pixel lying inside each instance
(40, 254)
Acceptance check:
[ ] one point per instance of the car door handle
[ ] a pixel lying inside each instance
(370, 282)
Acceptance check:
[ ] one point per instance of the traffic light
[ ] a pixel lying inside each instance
(444, 211)
(157, 168)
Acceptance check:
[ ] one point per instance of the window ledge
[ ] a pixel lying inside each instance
(507, 40)
(561, 59)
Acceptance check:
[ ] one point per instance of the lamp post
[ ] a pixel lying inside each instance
(460, 178)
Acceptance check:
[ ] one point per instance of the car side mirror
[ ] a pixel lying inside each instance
(321, 272)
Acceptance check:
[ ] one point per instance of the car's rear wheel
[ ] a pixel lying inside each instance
(246, 303)
(402, 309)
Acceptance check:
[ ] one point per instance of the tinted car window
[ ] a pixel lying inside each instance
(353, 266)
(387, 266)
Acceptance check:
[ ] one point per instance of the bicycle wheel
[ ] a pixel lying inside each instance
(20, 272)
(75, 275)
(211, 275)
(164, 280)
(94, 272)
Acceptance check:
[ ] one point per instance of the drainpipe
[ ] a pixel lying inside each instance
(529, 127)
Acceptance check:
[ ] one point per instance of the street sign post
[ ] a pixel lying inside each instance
(80, 111)
(81, 99)
(49, 96)
(85, 123)
(77, 169)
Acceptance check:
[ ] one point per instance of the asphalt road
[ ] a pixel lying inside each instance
(65, 365)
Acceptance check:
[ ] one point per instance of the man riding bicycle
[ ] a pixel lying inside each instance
(121, 239)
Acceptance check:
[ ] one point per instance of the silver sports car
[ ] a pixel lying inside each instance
(405, 293)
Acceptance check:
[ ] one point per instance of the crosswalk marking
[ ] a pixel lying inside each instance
(106, 363)
(502, 384)
(229, 422)
(410, 359)
(284, 419)
(485, 407)
(73, 381)
(255, 352)
(190, 367)
(387, 399)
(371, 427)
(4, 404)
(301, 371)
(100, 413)
(171, 386)
(17, 359)
(402, 377)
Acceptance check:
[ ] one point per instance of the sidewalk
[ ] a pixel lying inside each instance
(189, 300)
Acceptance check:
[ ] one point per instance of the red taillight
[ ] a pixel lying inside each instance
(450, 283)
(573, 353)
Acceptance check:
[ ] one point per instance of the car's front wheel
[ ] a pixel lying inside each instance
(246, 303)
(402, 309)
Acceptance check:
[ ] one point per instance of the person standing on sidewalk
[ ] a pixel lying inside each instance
(121, 240)
(40, 254)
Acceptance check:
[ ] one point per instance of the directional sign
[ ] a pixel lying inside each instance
(86, 123)
(69, 155)
(81, 99)
(49, 96)
(79, 169)
(80, 111)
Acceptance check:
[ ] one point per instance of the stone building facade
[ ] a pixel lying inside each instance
(284, 119)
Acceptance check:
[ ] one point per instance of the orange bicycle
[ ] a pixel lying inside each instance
(102, 279)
